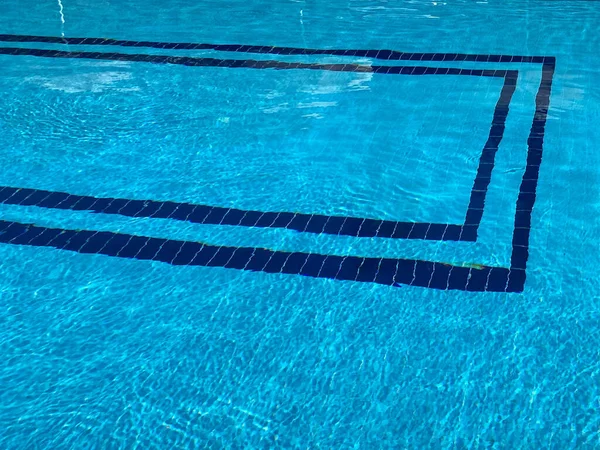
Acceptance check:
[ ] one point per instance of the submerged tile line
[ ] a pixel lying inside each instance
(387, 55)
(215, 215)
(529, 182)
(386, 271)
(315, 223)
(250, 63)
(487, 159)
(392, 272)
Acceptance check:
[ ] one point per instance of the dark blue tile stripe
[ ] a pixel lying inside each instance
(387, 55)
(249, 63)
(386, 271)
(527, 190)
(378, 270)
(488, 156)
(215, 215)
(349, 226)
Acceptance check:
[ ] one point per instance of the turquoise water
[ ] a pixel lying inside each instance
(113, 352)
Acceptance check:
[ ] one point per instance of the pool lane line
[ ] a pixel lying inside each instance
(387, 55)
(462, 232)
(216, 215)
(529, 183)
(488, 156)
(404, 230)
(515, 278)
(250, 64)
(385, 271)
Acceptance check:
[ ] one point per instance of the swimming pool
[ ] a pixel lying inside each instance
(295, 224)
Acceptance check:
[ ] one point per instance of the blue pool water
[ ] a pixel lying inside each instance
(274, 243)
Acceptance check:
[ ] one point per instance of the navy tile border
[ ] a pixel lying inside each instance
(315, 223)
(215, 215)
(387, 55)
(387, 271)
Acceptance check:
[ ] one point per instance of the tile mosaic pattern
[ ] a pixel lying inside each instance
(386, 271)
